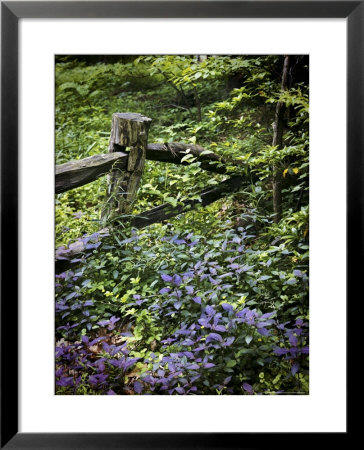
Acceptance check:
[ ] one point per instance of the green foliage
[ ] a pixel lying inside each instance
(249, 261)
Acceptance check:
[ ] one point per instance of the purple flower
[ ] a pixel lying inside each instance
(298, 331)
(189, 290)
(138, 387)
(127, 334)
(168, 341)
(228, 341)
(66, 381)
(97, 379)
(220, 328)
(194, 367)
(204, 322)
(263, 331)
(213, 281)
(295, 367)
(217, 318)
(68, 326)
(188, 342)
(224, 275)
(267, 315)
(188, 274)
(179, 241)
(60, 307)
(214, 337)
(209, 365)
(200, 348)
(91, 246)
(248, 388)
(250, 316)
(183, 332)
(197, 300)
(113, 321)
(227, 307)
(177, 280)
(164, 290)
(166, 277)
(210, 310)
(123, 364)
(280, 351)
(282, 326)
(242, 313)
(293, 340)
(100, 364)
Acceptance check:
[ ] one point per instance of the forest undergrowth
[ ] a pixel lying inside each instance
(212, 301)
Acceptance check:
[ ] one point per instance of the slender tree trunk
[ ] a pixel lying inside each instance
(180, 92)
(198, 104)
(278, 142)
(200, 59)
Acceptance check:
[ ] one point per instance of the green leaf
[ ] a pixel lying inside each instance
(206, 152)
(231, 363)
(171, 200)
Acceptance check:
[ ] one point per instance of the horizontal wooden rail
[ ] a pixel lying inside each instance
(207, 196)
(80, 172)
(175, 151)
(154, 215)
(77, 173)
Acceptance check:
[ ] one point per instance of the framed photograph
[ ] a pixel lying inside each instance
(235, 150)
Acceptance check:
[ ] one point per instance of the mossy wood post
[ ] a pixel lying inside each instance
(129, 131)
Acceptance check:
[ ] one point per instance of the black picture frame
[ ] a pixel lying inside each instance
(11, 12)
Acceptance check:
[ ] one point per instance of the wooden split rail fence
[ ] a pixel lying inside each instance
(124, 164)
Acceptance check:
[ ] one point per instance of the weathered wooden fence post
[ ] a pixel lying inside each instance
(129, 132)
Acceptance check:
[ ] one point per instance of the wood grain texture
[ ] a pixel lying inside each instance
(208, 196)
(154, 215)
(173, 152)
(129, 130)
(78, 173)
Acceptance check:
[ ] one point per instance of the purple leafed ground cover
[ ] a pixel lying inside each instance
(206, 341)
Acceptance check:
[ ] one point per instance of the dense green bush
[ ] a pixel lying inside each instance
(214, 301)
